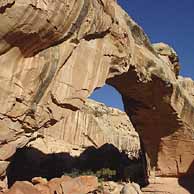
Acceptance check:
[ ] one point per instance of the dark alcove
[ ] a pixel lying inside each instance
(107, 163)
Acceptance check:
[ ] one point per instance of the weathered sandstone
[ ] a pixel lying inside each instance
(93, 125)
(54, 54)
(79, 185)
(169, 185)
(131, 188)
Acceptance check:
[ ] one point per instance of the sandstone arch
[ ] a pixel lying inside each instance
(56, 54)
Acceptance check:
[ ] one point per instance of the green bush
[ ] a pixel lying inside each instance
(102, 174)
(106, 173)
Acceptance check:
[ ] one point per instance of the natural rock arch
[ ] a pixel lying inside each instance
(52, 66)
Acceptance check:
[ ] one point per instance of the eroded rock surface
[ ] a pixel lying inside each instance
(170, 185)
(54, 54)
(93, 125)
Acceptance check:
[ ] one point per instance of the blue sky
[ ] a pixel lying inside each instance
(169, 21)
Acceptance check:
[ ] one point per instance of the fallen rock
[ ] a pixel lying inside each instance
(54, 185)
(131, 188)
(3, 186)
(43, 189)
(39, 180)
(110, 187)
(23, 188)
(83, 185)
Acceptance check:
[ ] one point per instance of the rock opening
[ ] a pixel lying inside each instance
(109, 96)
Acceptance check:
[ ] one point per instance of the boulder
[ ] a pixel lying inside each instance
(110, 187)
(83, 185)
(131, 188)
(23, 188)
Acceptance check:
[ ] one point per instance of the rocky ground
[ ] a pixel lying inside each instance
(78, 185)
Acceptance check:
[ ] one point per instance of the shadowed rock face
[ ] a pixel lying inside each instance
(54, 54)
(106, 162)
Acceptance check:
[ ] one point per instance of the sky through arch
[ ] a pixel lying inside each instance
(109, 96)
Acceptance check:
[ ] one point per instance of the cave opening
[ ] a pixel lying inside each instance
(106, 162)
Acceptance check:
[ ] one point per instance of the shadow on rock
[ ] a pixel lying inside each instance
(107, 163)
(187, 180)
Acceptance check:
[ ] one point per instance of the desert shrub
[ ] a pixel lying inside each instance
(102, 174)
(106, 174)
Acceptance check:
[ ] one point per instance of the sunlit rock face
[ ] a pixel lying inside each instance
(94, 125)
(54, 54)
